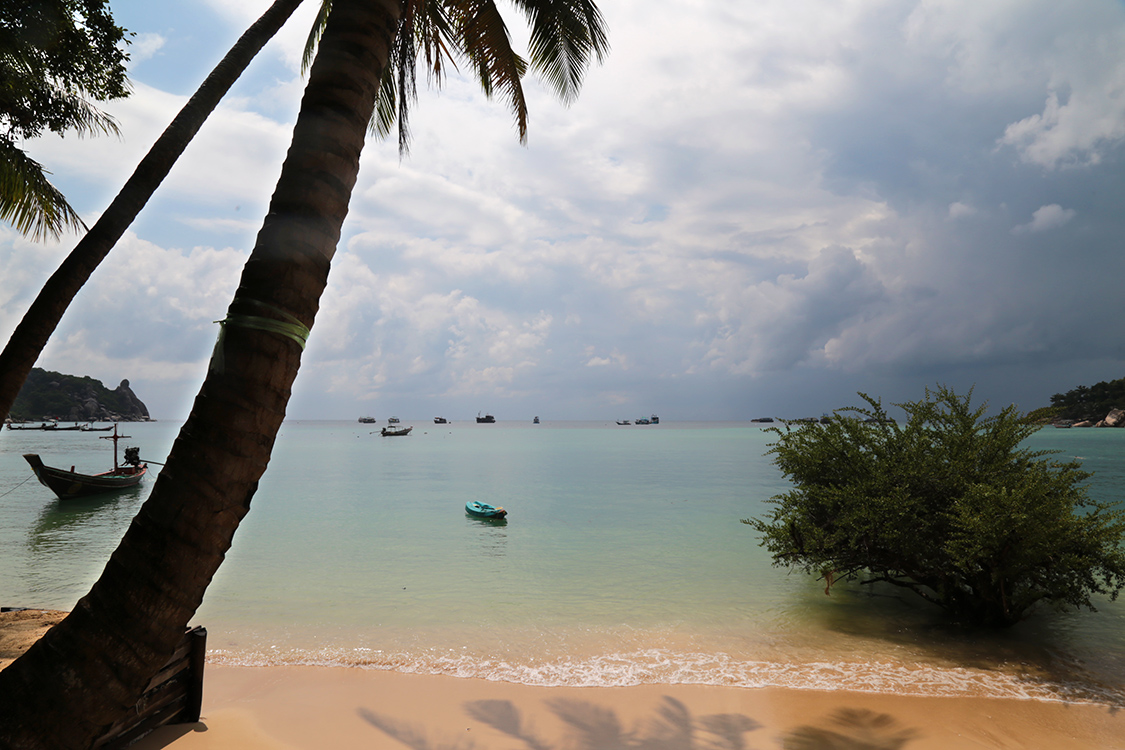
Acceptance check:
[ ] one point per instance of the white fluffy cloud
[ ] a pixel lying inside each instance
(1046, 217)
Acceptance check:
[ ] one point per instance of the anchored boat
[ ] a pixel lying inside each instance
(484, 510)
(69, 484)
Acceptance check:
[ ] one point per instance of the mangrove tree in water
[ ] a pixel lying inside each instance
(949, 505)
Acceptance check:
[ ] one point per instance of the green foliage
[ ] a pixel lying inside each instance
(55, 57)
(1090, 402)
(1044, 414)
(50, 395)
(565, 37)
(947, 505)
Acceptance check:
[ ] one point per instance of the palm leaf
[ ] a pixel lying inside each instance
(483, 39)
(386, 105)
(28, 200)
(314, 35)
(564, 34)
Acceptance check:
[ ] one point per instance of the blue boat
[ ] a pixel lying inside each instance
(484, 510)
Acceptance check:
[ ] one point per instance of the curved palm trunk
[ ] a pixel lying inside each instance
(92, 667)
(41, 319)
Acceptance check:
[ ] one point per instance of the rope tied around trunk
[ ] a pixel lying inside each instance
(294, 329)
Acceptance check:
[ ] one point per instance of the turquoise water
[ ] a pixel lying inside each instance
(622, 561)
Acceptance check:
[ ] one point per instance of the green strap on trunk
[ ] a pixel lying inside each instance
(294, 329)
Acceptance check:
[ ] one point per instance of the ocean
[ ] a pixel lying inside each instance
(622, 561)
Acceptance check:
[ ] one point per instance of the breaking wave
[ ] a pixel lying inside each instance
(658, 666)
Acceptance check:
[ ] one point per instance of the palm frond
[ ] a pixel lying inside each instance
(424, 28)
(404, 58)
(484, 41)
(386, 106)
(564, 36)
(314, 35)
(85, 118)
(436, 39)
(28, 201)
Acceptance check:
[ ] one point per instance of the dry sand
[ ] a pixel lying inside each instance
(275, 708)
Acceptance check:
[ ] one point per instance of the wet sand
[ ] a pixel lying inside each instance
(20, 628)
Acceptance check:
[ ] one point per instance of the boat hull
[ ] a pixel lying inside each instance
(70, 484)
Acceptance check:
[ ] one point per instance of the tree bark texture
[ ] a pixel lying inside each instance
(93, 666)
(41, 319)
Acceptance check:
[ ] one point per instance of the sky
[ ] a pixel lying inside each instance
(752, 209)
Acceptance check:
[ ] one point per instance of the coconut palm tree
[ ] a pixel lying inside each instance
(41, 319)
(93, 666)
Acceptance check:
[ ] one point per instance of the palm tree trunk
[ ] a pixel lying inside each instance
(93, 666)
(41, 319)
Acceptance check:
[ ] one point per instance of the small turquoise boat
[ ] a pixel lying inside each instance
(484, 510)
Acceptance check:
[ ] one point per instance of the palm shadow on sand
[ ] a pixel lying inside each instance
(594, 727)
(851, 729)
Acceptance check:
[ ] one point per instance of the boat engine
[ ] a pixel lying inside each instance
(133, 456)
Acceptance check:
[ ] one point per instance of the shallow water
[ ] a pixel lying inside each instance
(622, 561)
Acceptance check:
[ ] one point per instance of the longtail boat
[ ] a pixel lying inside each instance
(69, 484)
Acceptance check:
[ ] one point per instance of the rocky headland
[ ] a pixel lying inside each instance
(68, 398)
(1115, 418)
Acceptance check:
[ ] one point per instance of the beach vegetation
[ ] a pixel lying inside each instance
(59, 56)
(92, 667)
(1090, 402)
(949, 504)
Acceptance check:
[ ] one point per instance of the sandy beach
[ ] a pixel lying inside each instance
(270, 708)
(275, 708)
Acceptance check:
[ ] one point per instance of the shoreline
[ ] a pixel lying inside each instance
(276, 708)
(288, 707)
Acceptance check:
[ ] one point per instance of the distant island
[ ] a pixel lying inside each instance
(68, 398)
(1098, 405)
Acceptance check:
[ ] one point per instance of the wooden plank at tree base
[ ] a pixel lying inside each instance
(174, 696)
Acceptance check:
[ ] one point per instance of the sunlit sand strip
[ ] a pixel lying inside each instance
(657, 667)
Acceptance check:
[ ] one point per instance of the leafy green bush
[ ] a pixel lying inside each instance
(947, 505)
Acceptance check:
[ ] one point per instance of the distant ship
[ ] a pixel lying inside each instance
(367, 420)
(486, 419)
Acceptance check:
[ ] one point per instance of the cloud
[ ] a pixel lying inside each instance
(958, 210)
(1045, 218)
(794, 196)
(1073, 134)
(144, 46)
